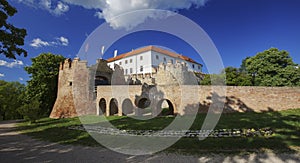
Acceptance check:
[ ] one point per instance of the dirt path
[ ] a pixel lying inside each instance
(15, 147)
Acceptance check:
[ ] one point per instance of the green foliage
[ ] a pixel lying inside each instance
(43, 84)
(272, 68)
(10, 99)
(236, 77)
(31, 111)
(11, 37)
(213, 79)
(269, 68)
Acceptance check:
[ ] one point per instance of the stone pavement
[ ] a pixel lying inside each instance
(16, 147)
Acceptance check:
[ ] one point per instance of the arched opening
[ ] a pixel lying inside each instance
(127, 107)
(113, 107)
(102, 106)
(143, 103)
(165, 107)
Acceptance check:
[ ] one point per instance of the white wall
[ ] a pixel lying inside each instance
(149, 60)
(161, 59)
(135, 63)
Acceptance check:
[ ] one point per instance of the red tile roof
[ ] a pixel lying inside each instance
(151, 48)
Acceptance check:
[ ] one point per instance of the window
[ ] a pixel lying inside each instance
(130, 60)
(141, 58)
(172, 61)
(120, 63)
(165, 59)
(126, 71)
(157, 57)
(199, 67)
(70, 83)
(126, 61)
(130, 70)
(193, 66)
(141, 69)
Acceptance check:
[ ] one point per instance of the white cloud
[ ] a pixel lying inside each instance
(60, 8)
(57, 8)
(63, 41)
(37, 43)
(111, 8)
(21, 79)
(16, 63)
(108, 9)
(1, 75)
(60, 41)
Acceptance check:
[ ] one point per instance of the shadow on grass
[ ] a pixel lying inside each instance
(285, 124)
(56, 130)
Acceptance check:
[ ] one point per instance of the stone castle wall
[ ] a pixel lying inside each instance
(77, 95)
(185, 97)
(258, 99)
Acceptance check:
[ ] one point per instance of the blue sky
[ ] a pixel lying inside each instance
(239, 28)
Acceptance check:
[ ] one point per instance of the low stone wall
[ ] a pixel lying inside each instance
(185, 99)
(256, 99)
(236, 99)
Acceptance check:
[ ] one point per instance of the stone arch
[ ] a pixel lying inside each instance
(102, 106)
(127, 107)
(113, 107)
(165, 107)
(143, 103)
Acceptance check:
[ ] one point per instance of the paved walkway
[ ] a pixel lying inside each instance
(15, 147)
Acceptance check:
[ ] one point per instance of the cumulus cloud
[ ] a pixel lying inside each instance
(15, 63)
(63, 41)
(1, 75)
(108, 9)
(37, 43)
(57, 8)
(60, 41)
(21, 79)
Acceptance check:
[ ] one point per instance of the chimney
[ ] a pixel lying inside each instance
(115, 53)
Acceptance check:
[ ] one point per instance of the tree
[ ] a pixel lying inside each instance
(236, 77)
(30, 111)
(11, 37)
(43, 84)
(213, 79)
(272, 68)
(10, 99)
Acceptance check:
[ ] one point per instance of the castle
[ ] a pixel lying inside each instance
(102, 90)
(84, 90)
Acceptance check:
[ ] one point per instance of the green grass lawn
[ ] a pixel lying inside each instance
(285, 124)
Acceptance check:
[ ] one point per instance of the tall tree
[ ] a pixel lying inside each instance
(272, 68)
(11, 37)
(43, 84)
(10, 99)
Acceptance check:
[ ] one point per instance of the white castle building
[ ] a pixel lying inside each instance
(147, 59)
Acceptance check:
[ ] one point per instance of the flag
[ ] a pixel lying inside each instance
(102, 50)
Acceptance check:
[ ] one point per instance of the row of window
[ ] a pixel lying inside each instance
(131, 70)
(165, 60)
(130, 60)
(157, 57)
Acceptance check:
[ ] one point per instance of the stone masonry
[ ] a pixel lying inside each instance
(78, 94)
